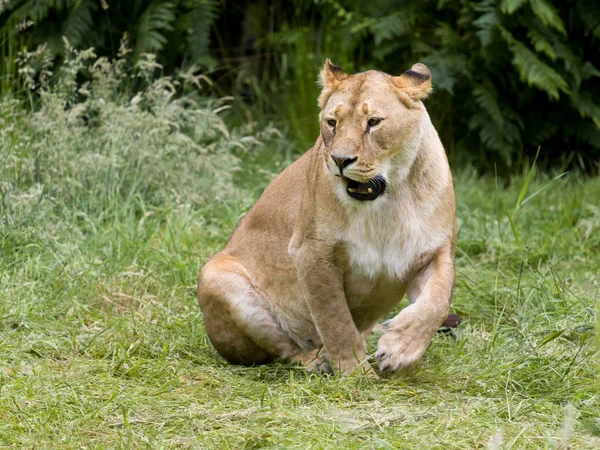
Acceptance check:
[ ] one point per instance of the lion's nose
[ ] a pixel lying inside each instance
(343, 161)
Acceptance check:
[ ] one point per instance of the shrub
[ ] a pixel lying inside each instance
(509, 75)
(89, 149)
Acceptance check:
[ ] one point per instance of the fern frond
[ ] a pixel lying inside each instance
(155, 21)
(201, 16)
(486, 96)
(486, 22)
(589, 14)
(510, 6)
(535, 73)
(447, 69)
(499, 127)
(80, 21)
(541, 44)
(62, 5)
(588, 70)
(587, 132)
(539, 129)
(36, 10)
(390, 27)
(449, 36)
(547, 14)
(532, 70)
(574, 64)
(503, 140)
(586, 107)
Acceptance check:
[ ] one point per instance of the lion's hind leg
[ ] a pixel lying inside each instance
(237, 318)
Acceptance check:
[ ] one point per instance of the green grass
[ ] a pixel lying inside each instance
(104, 227)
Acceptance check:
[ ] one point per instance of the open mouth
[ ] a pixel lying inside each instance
(366, 191)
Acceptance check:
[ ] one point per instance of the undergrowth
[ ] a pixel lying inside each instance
(110, 204)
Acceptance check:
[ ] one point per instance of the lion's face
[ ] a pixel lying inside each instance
(371, 126)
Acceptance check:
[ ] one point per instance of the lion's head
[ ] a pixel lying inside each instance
(372, 125)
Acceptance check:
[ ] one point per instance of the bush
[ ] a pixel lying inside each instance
(89, 149)
(179, 28)
(509, 75)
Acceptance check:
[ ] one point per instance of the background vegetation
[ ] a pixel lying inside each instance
(510, 75)
(123, 168)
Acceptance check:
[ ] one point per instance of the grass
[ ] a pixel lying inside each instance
(104, 226)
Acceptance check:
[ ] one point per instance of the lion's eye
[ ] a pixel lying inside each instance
(374, 121)
(331, 122)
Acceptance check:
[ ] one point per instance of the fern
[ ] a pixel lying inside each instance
(201, 15)
(539, 129)
(588, 133)
(486, 22)
(587, 108)
(509, 73)
(449, 36)
(534, 71)
(589, 12)
(541, 44)
(510, 6)
(575, 65)
(80, 21)
(588, 70)
(35, 10)
(486, 96)
(547, 14)
(155, 21)
(502, 139)
(389, 27)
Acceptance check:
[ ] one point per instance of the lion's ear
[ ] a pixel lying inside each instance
(416, 82)
(331, 75)
(330, 78)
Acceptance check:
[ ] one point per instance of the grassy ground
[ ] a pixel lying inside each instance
(103, 231)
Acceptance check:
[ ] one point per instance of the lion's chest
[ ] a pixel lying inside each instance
(388, 241)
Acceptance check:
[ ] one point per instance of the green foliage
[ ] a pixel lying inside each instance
(510, 6)
(79, 21)
(533, 71)
(155, 22)
(547, 14)
(509, 75)
(175, 29)
(164, 142)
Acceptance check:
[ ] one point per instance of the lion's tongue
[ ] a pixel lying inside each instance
(359, 188)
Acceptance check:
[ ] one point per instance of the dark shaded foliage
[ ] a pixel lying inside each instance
(179, 30)
(509, 75)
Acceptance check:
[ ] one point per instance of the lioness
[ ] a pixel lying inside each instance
(337, 239)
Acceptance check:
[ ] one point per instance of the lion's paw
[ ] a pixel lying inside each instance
(313, 361)
(403, 344)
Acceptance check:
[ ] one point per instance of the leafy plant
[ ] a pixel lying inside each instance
(509, 75)
(165, 143)
(177, 30)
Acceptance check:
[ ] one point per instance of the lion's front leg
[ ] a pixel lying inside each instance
(322, 285)
(408, 335)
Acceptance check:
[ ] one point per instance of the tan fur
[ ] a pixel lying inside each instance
(310, 267)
